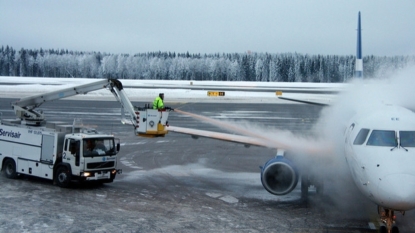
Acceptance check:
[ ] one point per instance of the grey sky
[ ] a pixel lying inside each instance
(223, 26)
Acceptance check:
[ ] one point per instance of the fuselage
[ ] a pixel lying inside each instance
(380, 151)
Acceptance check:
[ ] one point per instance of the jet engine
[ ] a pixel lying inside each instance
(279, 176)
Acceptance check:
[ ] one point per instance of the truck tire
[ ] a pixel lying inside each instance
(63, 176)
(10, 169)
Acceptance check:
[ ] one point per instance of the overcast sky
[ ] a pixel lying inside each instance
(210, 26)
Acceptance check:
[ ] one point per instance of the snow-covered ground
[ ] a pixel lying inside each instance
(175, 91)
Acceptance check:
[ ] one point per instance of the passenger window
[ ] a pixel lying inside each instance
(382, 138)
(407, 138)
(361, 137)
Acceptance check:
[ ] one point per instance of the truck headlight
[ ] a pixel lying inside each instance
(86, 174)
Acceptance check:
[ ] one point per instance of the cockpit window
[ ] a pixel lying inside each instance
(407, 138)
(361, 137)
(382, 138)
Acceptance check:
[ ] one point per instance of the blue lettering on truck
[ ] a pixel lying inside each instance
(10, 134)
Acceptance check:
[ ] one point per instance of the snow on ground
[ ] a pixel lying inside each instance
(175, 91)
(139, 82)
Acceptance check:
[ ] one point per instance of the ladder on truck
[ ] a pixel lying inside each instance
(147, 122)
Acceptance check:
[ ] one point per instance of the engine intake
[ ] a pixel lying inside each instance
(279, 176)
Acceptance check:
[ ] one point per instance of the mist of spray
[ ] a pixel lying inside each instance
(361, 96)
(395, 88)
(327, 137)
(327, 143)
(273, 137)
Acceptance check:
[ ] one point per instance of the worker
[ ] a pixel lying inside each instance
(99, 145)
(158, 102)
(89, 145)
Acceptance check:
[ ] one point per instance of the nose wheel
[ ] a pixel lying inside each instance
(387, 216)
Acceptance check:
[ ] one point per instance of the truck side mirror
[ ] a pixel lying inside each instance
(118, 147)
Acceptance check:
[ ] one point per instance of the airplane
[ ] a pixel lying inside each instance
(378, 144)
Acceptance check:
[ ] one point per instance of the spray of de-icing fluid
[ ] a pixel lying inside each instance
(326, 143)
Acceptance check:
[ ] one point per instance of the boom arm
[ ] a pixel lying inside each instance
(25, 107)
(146, 122)
(116, 88)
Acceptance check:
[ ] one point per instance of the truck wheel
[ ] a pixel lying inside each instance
(10, 169)
(63, 177)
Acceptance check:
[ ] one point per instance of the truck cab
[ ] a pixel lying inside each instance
(87, 157)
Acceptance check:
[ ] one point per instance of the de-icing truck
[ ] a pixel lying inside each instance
(61, 152)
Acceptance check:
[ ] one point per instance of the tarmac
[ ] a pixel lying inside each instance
(178, 184)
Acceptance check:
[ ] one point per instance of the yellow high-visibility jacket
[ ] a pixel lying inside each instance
(158, 103)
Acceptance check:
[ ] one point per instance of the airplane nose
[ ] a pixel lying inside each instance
(397, 191)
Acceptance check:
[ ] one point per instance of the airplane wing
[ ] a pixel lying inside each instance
(314, 99)
(246, 140)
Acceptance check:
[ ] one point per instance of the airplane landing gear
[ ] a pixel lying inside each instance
(307, 181)
(387, 216)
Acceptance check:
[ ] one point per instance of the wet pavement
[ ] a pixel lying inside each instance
(178, 184)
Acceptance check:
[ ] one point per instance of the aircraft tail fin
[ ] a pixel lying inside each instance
(359, 61)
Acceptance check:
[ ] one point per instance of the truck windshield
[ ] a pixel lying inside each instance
(98, 147)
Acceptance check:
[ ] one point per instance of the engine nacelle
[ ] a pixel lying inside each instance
(279, 176)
